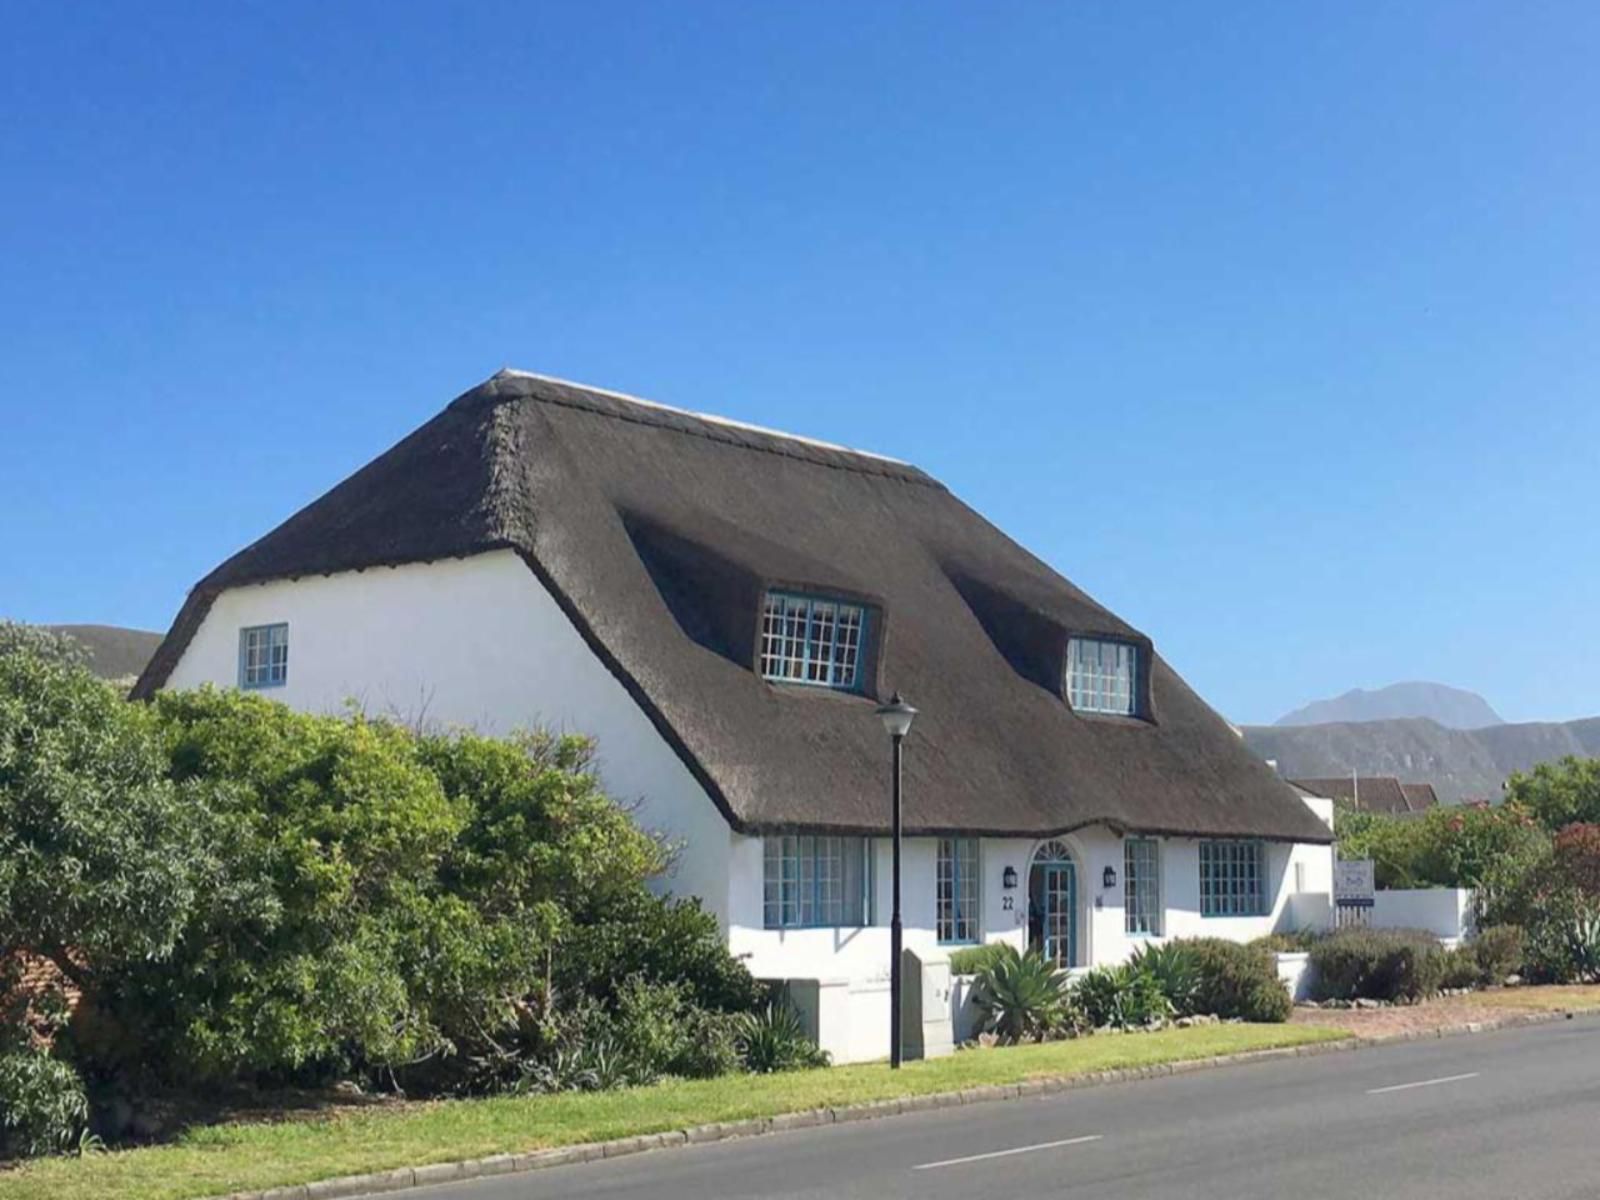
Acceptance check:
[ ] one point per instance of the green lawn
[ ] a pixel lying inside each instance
(226, 1158)
(1547, 998)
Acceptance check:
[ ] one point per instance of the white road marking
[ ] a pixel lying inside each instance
(956, 1162)
(1402, 1087)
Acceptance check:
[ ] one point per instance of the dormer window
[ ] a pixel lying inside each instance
(1102, 676)
(812, 640)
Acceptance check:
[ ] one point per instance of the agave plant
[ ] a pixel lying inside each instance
(1019, 996)
(775, 1040)
(1175, 971)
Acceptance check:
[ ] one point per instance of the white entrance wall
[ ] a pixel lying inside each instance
(473, 642)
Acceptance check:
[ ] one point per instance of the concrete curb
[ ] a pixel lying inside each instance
(561, 1156)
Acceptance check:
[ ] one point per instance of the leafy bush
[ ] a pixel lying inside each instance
(970, 960)
(1237, 981)
(1459, 968)
(1289, 942)
(1019, 996)
(1575, 857)
(640, 933)
(775, 1040)
(1499, 952)
(1563, 941)
(101, 856)
(43, 1109)
(1172, 965)
(1378, 964)
(1125, 997)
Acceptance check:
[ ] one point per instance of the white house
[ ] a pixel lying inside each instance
(723, 608)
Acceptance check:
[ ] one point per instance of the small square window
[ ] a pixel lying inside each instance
(264, 656)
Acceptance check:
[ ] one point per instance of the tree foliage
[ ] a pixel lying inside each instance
(1559, 794)
(101, 853)
(1445, 847)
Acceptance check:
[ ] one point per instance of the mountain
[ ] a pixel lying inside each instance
(1451, 707)
(1462, 764)
(114, 652)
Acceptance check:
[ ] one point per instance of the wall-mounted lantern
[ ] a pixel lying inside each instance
(1110, 878)
(1008, 878)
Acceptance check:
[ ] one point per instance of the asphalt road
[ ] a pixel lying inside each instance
(1513, 1115)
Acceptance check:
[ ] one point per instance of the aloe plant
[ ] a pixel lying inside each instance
(1020, 996)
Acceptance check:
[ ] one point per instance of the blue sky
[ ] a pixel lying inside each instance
(1273, 326)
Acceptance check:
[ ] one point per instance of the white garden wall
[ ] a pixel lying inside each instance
(1447, 913)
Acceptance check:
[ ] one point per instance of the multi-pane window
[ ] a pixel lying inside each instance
(957, 880)
(1141, 876)
(263, 656)
(1101, 676)
(816, 880)
(1232, 879)
(809, 640)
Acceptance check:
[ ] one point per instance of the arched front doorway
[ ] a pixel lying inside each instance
(1053, 904)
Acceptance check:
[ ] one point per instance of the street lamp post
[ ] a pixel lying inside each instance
(897, 716)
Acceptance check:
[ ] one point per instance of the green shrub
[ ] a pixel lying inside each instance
(43, 1109)
(1562, 942)
(1378, 964)
(969, 960)
(1125, 997)
(1499, 951)
(1289, 941)
(775, 1040)
(1172, 965)
(1236, 980)
(1459, 968)
(1019, 996)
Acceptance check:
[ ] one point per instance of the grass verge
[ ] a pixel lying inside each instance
(1549, 998)
(239, 1157)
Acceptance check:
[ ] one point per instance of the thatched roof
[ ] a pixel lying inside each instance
(658, 532)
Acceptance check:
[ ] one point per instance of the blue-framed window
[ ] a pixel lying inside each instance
(263, 656)
(1233, 879)
(811, 639)
(1141, 882)
(957, 889)
(816, 880)
(1102, 676)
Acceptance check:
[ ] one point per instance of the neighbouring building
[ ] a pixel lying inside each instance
(1374, 793)
(723, 607)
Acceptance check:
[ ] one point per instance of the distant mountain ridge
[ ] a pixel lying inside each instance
(1453, 708)
(1462, 764)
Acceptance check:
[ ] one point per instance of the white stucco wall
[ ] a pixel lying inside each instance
(473, 642)
(1447, 913)
(863, 954)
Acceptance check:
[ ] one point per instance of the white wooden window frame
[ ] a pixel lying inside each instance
(264, 656)
(816, 881)
(1233, 878)
(1141, 881)
(957, 877)
(1102, 676)
(812, 640)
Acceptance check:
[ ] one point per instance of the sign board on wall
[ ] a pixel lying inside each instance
(1353, 884)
